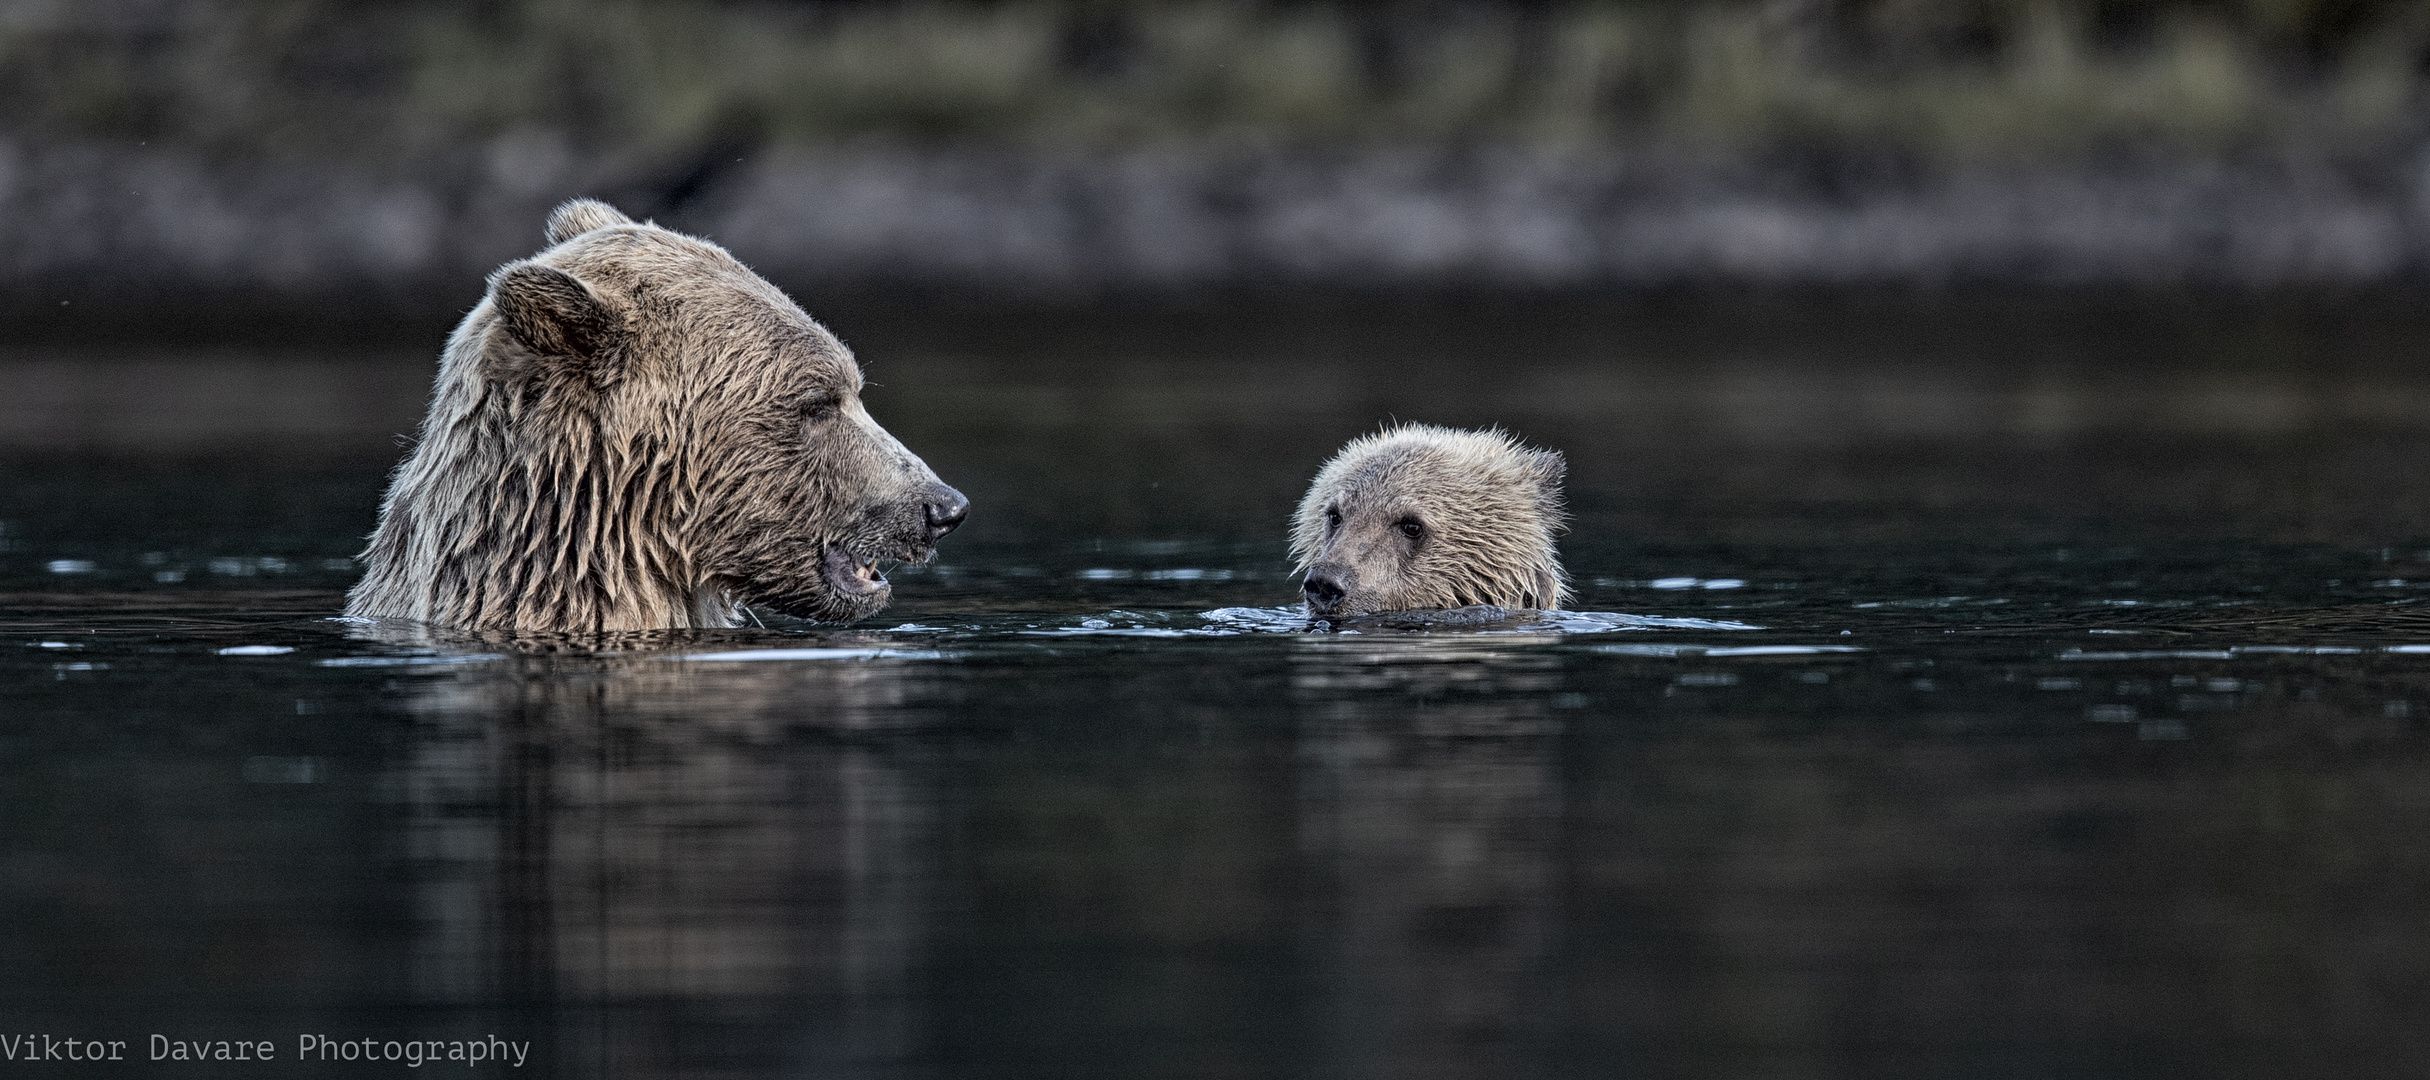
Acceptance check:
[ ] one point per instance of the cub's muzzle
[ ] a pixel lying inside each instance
(1325, 587)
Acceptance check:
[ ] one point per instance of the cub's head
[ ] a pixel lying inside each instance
(671, 416)
(1417, 517)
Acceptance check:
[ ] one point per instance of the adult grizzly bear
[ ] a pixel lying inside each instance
(1418, 517)
(634, 431)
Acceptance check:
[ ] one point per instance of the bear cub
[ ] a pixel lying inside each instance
(1419, 517)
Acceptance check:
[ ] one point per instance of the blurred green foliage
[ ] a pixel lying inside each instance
(1936, 77)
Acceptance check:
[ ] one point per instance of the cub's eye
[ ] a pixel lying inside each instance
(1411, 528)
(1333, 519)
(817, 409)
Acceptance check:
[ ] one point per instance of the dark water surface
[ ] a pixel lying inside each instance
(2077, 727)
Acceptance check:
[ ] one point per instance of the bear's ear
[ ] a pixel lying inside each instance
(551, 312)
(578, 216)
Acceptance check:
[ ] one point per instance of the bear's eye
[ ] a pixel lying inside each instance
(1333, 519)
(1411, 528)
(818, 408)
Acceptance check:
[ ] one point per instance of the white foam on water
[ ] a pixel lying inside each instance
(2230, 653)
(1085, 630)
(1660, 651)
(257, 650)
(1272, 620)
(761, 655)
(1701, 652)
(1295, 620)
(1604, 622)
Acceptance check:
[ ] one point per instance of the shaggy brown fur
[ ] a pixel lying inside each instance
(1417, 517)
(634, 431)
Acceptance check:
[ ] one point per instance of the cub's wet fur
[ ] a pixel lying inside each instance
(1421, 517)
(634, 431)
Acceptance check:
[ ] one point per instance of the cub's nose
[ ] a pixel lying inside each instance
(1323, 590)
(946, 509)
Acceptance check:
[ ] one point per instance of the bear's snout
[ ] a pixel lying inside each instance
(946, 509)
(1325, 587)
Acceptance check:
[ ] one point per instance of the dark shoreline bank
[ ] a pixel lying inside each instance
(2375, 318)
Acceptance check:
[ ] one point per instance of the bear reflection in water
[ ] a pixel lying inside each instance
(622, 829)
(1431, 799)
(769, 841)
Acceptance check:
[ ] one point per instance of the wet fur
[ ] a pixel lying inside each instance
(634, 431)
(1489, 507)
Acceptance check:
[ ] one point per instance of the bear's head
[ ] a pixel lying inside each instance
(632, 431)
(1419, 517)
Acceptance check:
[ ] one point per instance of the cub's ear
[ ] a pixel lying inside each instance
(578, 216)
(1549, 467)
(550, 312)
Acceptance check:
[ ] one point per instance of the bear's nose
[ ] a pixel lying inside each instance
(1323, 591)
(946, 509)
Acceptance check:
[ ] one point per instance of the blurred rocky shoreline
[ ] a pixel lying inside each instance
(96, 219)
(326, 152)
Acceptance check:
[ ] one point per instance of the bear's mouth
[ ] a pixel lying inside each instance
(852, 574)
